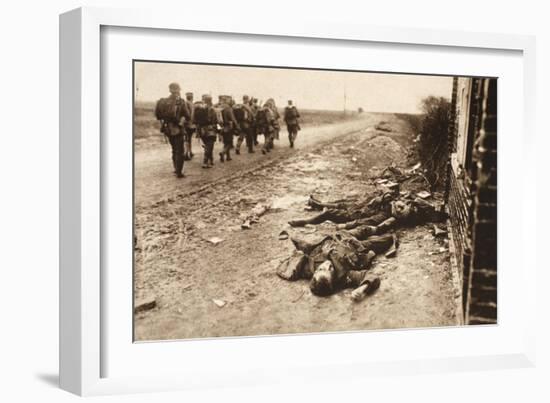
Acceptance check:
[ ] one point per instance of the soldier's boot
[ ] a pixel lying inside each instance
(238, 147)
(228, 156)
(221, 157)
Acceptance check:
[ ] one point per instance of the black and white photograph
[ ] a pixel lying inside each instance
(273, 200)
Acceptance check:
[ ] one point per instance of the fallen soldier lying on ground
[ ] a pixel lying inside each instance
(354, 213)
(335, 262)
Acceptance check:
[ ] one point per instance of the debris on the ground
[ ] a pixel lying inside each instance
(219, 302)
(353, 159)
(254, 216)
(283, 235)
(391, 172)
(423, 194)
(439, 251)
(145, 304)
(200, 225)
(438, 231)
(391, 185)
(215, 240)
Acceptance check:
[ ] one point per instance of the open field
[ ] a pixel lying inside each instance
(146, 127)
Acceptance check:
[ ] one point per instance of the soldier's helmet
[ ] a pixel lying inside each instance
(189, 94)
(174, 87)
(245, 98)
(206, 98)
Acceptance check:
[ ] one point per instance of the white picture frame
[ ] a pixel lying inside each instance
(82, 177)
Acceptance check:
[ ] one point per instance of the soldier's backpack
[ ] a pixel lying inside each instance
(240, 112)
(201, 113)
(291, 113)
(166, 109)
(261, 117)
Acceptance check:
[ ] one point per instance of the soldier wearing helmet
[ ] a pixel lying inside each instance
(171, 112)
(206, 121)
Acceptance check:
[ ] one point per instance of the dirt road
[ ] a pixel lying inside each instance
(177, 263)
(153, 167)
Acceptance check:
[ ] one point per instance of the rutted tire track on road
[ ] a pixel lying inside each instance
(242, 173)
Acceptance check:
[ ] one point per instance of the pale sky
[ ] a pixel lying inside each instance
(309, 89)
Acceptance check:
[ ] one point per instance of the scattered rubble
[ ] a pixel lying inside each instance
(254, 215)
(215, 240)
(438, 231)
(423, 194)
(219, 303)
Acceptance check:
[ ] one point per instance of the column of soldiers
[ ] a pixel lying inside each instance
(181, 119)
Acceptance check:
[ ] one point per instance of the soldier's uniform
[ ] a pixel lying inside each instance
(189, 128)
(254, 127)
(276, 116)
(206, 121)
(245, 132)
(291, 119)
(230, 127)
(171, 112)
(265, 126)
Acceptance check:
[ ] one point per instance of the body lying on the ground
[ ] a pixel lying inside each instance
(342, 258)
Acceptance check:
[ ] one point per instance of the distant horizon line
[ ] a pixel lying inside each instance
(315, 109)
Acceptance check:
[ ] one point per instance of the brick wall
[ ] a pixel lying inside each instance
(470, 196)
(481, 299)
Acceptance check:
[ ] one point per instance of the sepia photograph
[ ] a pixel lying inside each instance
(271, 200)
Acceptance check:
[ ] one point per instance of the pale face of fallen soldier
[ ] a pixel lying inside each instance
(323, 280)
(400, 210)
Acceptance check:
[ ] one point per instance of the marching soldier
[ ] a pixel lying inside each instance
(265, 120)
(171, 112)
(276, 126)
(291, 119)
(206, 121)
(244, 116)
(189, 128)
(230, 126)
(254, 107)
